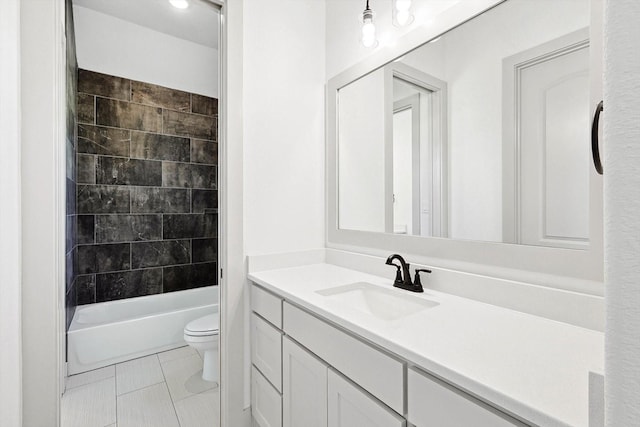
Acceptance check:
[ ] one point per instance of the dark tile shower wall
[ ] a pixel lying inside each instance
(146, 193)
(71, 146)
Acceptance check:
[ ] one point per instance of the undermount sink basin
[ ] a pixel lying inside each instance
(385, 304)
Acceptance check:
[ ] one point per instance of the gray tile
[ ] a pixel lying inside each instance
(128, 228)
(70, 232)
(203, 199)
(71, 201)
(147, 407)
(189, 226)
(71, 268)
(85, 229)
(86, 169)
(128, 284)
(94, 83)
(86, 108)
(200, 410)
(103, 258)
(186, 124)
(89, 377)
(159, 147)
(188, 276)
(176, 353)
(159, 200)
(203, 151)
(86, 289)
(119, 171)
(184, 377)
(155, 254)
(189, 175)
(127, 115)
(105, 141)
(204, 250)
(70, 158)
(160, 96)
(204, 105)
(102, 199)
(93, 404)
(138, 373)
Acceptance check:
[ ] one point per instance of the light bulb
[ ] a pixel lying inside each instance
(368, 34)
(402, 16)
(368, 28)
(179, 4)
(403, 12)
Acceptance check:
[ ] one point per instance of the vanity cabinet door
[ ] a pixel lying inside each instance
(304, 388)
(433, 403)
(350, 406)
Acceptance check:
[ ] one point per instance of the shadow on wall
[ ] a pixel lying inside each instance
(146, 192)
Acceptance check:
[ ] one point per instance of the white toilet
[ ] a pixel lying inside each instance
(202, 334)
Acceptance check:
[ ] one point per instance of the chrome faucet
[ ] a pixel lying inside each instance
(403, 277)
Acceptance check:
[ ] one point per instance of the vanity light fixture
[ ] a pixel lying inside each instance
(179, 4)
(402, 15)
(368, 28)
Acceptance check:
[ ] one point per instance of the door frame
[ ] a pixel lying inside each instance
(51, 258)
(512, 68)
(439, 146)
(10, 217)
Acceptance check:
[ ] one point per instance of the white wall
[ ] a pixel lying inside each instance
(113, 46)
(284, 125)
(361, 153)
(621, 164)
(10, 223)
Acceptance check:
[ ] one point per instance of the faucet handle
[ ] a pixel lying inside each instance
(398, 274)
(416, 281)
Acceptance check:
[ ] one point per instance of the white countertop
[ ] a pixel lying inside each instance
(535, 368)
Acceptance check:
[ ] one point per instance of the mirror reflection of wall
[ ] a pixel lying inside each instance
(502, 156)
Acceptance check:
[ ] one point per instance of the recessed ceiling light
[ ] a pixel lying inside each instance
(179, 4)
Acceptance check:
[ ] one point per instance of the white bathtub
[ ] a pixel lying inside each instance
(111, 332)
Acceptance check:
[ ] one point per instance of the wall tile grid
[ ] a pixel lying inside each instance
(146, 191)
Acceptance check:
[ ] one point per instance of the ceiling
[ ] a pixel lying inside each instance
(198, 23)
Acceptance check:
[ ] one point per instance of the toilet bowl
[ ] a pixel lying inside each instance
(202, 334)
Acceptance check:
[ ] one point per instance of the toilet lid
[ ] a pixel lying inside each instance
(207, 325)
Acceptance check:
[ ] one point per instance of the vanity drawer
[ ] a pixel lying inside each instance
(266, 350)
(266, 402)
(266, 305)
(432, 402)
(378, 373)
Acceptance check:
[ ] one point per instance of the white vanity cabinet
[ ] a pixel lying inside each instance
(432, 402)
(307, 372)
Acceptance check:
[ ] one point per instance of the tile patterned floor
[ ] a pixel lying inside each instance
(161, 390)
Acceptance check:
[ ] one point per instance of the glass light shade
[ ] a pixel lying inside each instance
(179, 4)
(368, 33)
(402, 12)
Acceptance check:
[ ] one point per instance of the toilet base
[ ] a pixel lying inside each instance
(210, 368)
(209, 347)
